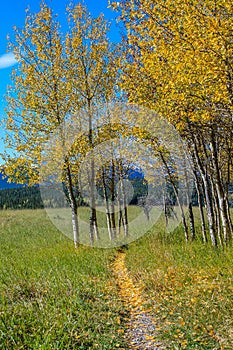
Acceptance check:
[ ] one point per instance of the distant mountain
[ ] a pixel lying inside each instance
(135, 174)
(4, 184)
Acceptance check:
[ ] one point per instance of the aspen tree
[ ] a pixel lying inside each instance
(182, 52)
(59, 78)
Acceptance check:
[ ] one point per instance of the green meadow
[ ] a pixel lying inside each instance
(55, 297)
(188, 288)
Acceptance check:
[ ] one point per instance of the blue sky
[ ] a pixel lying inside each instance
(13, 14)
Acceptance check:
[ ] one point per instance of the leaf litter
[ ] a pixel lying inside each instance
(141, 331)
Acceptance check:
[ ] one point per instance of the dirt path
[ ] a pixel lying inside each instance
(141, 332)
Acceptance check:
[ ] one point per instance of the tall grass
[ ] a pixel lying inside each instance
(51, 295)
(55, 297)
(189, 288)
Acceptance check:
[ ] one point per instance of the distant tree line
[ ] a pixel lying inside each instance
(29, 197)
(20, 198)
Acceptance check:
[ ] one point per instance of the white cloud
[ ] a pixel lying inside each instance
(7, 60)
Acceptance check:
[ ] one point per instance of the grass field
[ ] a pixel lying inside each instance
(55, 297)
(138, 224)
(189, 289)
(51, 296)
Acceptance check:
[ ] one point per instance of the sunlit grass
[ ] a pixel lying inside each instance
(51, 295)
(55, 297)
(138, 224)
(188, 288)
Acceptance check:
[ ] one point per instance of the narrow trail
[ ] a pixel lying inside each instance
(141, 332)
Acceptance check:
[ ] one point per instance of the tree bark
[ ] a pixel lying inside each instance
(107, 205)
(199, 198)
(112, 194)
(185, 227)
(191, 221)
(209, 207)
(124, 204)
(217, 214)
(190, 208)
(73, 204)
(93, 218)
(120, 216)
(220, 192)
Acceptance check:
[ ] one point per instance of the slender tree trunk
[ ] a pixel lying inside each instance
(125, 211)
(217, 214)
(185, 227)
(220, 192)
(190, 208)
(112, 194)
(69, 187)
(124, 203)
(107, 205)
(209, 207)
(227, 191)
(199, 198)
(75, 225)
(120, 216)
(73, 204)
(229, 217)
(93, 217)
(165, 207)
(218, 223)
(120, 203)
(191, 221)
